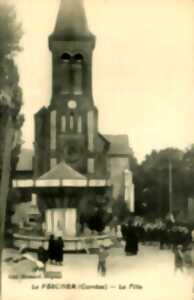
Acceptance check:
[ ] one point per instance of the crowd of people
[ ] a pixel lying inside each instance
(174, 237)
(166, 234)
(133, 232)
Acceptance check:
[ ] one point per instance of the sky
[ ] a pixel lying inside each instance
(143, 68)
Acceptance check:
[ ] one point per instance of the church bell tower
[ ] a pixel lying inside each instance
(72, 46)
(69, 125)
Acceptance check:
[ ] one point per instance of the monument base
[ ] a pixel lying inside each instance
(62, 222)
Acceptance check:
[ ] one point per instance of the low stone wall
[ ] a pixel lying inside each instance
(70, 244)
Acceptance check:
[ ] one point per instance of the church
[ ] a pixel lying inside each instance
(72, 164)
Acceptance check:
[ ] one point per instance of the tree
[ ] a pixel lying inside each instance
(10, 32)
(133, 161)
(153, 188)
(188, 172)
(10, 104)
(93, 212)
(97, 221)
(120, 210)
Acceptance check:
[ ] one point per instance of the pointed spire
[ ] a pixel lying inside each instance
(71, 21)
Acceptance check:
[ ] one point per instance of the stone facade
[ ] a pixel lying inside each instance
(73, 164)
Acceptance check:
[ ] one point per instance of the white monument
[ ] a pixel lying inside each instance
(61, 222)
(129, 190)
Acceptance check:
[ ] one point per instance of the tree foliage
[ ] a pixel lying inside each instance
(120, 210)
(152, 186)
(10, 91)
(10, 32)
(188, 171)
(10, 104)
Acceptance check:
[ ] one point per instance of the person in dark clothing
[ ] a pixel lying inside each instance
(59, 250)
(124, 229)
(134, 241)
(131, 239)
(125, 235)
(42, 256)
(51, 249)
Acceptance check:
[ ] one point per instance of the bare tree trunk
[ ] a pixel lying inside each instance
(4, 185)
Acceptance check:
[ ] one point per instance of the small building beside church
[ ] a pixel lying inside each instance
(72, 164)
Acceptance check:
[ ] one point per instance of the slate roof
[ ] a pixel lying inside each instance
(62, 171)
(71, 20)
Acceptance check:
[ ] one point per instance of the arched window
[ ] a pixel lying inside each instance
(71, 121)
(65, 57)
(78, 58)
(77, 74)
(79, 124)
(66, 73)
(91, 129)
(53, 134)
(63, 123)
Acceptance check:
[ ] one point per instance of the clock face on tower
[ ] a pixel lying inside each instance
(72, 104)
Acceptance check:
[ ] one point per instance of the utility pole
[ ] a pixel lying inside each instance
(170, 186)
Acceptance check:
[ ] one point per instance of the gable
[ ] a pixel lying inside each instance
(62, 171)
